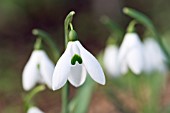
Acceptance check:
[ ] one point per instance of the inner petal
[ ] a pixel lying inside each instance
(75, 53)
(77, 75)
(75, 49)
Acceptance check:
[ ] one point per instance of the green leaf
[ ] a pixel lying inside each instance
(80, 103)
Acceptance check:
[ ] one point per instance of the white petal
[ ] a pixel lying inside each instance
(156, 57)
(148, 63)
(110, 60)
(62, 69)
(77, 75)
(92, 65)
(131, 40)
(31, 73)
(124, 67)
(135, 60)
(34, 110)
(74, 49)
(46, 69)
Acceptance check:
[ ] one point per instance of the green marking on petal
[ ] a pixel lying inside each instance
(76, 58)
(38, 66)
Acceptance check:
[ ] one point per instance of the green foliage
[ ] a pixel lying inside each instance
(145, 89)
(81, 101)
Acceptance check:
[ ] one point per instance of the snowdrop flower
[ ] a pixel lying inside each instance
(34, 110)
(39, 69)
(110, 60)
(74, 64)
(155, 58)
(131, 54)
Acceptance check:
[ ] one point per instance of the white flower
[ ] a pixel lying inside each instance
(155, 58)
(110, 60)
(76, 71)
(39, 69)
(131, 54)
(34, 110)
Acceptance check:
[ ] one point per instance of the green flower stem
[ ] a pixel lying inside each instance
(38, 44)
(144, 20)
(116, 31)
(65, 98)
(131, 27)
(29, 96)
(48, 39)
(71, 26)
(67, 24)
(112, 26)
(65, 89)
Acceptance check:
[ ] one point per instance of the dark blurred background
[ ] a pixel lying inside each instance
(19, 17)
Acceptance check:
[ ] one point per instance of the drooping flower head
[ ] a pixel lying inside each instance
(74, 65)
(131, 54)
(34, 110)
(39, 69)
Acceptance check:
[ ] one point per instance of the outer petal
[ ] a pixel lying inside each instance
(46, 69)
(62, 69)
(148, 61)
(77, 75)
(156, 57)
(34, 110)
(92, 65)
(110, 60)
(124, 67)
(31, 73)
